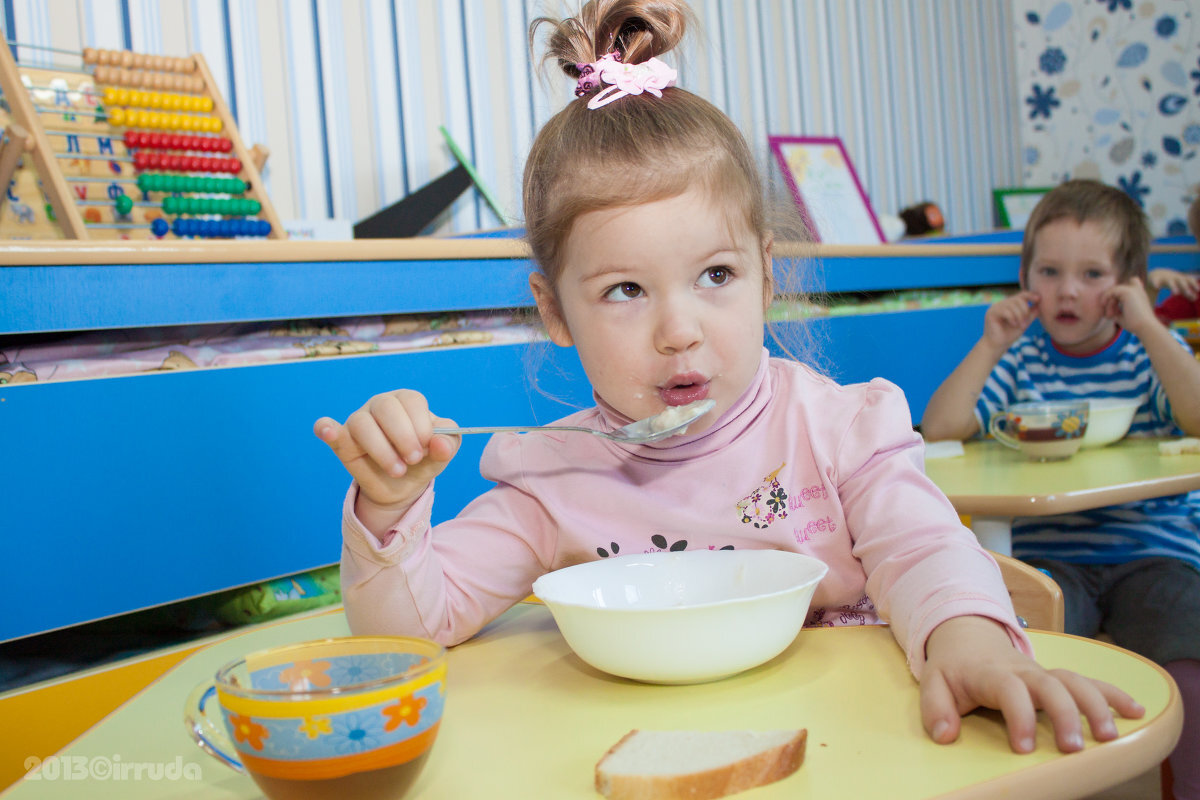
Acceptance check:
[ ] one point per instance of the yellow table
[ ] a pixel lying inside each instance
(992, 483)
(525, 718)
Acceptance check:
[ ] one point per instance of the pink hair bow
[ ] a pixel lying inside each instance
(650, 76)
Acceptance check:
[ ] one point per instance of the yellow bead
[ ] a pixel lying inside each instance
(216, 125)
(116, 116)
(122, 97)
(110, 96)
(206, 104)
(155, 100)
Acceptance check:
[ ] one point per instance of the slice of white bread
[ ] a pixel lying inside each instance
(1178, 447)
(696, 765)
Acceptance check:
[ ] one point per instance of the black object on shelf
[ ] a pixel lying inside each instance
(413, 214)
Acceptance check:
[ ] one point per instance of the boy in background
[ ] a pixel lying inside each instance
(1184, 300)
(1131, 570)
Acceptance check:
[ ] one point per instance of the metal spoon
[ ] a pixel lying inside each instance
(669, 422)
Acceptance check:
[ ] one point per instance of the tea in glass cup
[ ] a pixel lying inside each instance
(352, 717)
(1046, 430)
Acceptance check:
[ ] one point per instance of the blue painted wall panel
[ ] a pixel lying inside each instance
(131, 492)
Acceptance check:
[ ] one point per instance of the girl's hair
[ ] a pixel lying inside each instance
(641, 148)
(1092, 201)
(637, 149)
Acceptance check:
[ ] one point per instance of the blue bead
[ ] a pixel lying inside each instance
(159, 227)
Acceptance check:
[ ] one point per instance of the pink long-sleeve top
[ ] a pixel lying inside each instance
(799, 463)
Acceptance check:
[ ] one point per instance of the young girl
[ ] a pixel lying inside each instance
(644, 213)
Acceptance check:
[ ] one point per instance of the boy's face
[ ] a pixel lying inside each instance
(1071, 271)
(664, 303)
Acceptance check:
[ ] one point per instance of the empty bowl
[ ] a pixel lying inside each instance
(684, 617)
(1109, 419)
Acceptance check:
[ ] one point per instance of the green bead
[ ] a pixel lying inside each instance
(169, 205)
(124, 204)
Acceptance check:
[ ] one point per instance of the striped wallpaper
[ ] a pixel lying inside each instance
(348, 94)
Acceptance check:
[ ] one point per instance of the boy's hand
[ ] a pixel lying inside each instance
(1128, 304)
(1006, 320)
(389, 447)
(1174, 281)
(971, 663)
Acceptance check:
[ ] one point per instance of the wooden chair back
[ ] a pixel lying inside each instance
(1036, 598)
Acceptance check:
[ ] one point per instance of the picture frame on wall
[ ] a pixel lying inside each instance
(826, 188)
(1013, 205)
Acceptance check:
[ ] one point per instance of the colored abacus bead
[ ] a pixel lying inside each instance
(159, 227)
(124, 204)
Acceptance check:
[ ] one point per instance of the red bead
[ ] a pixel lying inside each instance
(235, 166)
(226, 145)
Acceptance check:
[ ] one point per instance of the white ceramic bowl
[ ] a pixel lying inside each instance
(1108, 420)
(685, 617)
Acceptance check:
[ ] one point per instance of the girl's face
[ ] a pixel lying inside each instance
(1072, 271)
(664, 302)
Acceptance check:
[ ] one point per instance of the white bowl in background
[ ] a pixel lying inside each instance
(683, 617)
(1109, 419)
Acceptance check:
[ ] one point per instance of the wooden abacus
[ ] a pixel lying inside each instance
(121, 145)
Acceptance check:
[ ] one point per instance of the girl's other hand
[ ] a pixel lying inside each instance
(971, 663)
(389, 447)
(1174, 281)
(1006, 320)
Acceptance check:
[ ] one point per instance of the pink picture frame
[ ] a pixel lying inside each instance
(826, 189)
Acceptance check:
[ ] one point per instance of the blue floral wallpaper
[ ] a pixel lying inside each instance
(1110, 89)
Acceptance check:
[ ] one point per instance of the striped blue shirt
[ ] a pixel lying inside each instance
(1033, 369)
